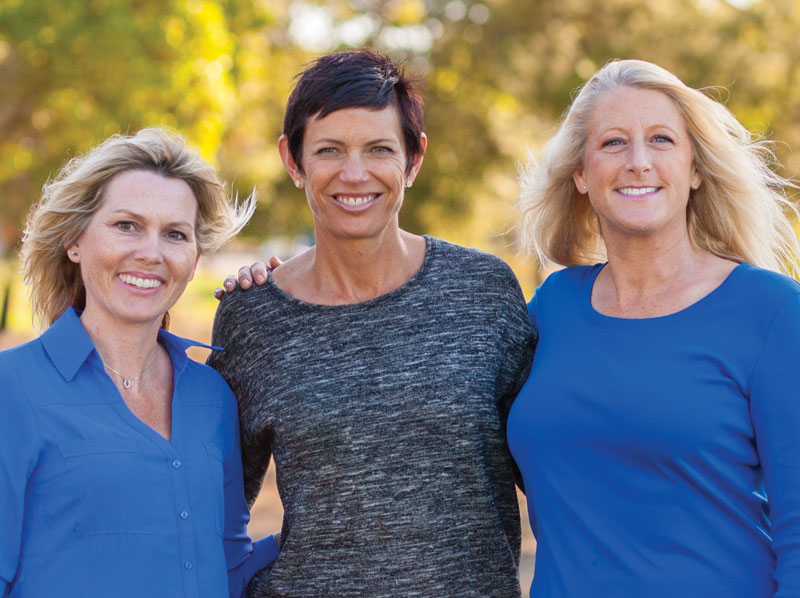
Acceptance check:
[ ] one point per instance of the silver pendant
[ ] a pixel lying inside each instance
(126, 383)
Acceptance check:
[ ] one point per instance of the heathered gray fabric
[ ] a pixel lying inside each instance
(387, 423)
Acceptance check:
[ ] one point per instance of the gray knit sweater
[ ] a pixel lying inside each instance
(387, 423)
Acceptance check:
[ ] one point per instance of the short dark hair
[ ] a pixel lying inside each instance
(354, 79)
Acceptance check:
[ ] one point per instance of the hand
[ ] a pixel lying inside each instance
(247, 274)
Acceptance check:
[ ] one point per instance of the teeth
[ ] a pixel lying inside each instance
(355, 201)
(140, 283)
(638, 190)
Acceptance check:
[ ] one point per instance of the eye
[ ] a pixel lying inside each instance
(330, 151)
(176, 235)
(662, 139)
(612, 142)
(125, 226)
(382, 149)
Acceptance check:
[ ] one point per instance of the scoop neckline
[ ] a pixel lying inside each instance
(593, 314)
(430, 249)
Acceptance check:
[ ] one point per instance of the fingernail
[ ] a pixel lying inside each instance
(229, 285)
(261, 279)
(245, 282)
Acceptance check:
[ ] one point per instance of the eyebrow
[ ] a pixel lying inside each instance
(122, 212)
(340, 142)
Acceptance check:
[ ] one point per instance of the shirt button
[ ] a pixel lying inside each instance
(188, 564)
(184, 514)
(176, 464)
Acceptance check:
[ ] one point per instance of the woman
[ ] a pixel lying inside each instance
(120, 470)
(657, 434)
(377, 367)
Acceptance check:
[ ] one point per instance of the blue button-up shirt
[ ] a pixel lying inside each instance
(94, 502)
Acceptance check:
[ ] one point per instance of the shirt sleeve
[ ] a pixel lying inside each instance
(19, 438)
(775, 412)
(244, 558)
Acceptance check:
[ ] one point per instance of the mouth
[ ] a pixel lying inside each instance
(139, 282)
(637, 191)
(355, 201)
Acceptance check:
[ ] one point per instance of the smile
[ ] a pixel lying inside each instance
(140, 283)
(636, 191)
(355, 201)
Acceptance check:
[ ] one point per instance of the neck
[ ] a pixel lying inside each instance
(128, 348)
(639, 263)
(354, 270)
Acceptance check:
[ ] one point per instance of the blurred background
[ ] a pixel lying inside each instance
(497, 74)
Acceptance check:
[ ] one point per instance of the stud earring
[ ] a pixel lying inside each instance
(297, 183)
(75, 253)
(585, 188)
(409, 183)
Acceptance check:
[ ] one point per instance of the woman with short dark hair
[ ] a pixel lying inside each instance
(378, 367)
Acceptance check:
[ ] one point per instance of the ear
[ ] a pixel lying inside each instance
(580, 180)
(74, 253)
(696, 180)
(288, 162)
(416, 164)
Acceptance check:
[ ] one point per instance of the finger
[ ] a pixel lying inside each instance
(245, 277)
(259, 271)
(274, 262)
(219, 293)
(229, 284)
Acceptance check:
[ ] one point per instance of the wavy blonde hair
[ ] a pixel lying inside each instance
(739, 212)
(70, 200)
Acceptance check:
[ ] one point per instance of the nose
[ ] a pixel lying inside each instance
(354, 170)
(639, 160)
(149, 250)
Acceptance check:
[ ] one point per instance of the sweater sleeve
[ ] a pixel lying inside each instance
(775, 412)
(19, 437)
(517, 354)
(230, 332)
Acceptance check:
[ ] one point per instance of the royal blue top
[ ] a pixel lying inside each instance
(661, 456)
(94, 502)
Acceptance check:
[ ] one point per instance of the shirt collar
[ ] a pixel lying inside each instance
(69, 346)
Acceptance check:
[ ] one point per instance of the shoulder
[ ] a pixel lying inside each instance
(759, 291)
(567, 280)
(206, 385)
(469, 262)
(23, 359)
(762, 281)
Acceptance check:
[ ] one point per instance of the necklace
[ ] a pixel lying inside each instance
(126, 382)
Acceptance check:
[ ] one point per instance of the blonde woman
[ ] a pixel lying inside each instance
(657, 434)
(120, 470)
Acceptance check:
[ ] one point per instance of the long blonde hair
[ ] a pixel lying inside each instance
(70, 200)
(739, 212)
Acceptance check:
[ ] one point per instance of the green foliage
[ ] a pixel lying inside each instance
(497, 75)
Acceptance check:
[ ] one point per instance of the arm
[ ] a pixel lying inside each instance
(520, 343)
(775, 413)
(244, 558)
(18, 438)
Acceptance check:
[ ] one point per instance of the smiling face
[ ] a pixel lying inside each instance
(139, 250)
(354, 165)
(638, 167)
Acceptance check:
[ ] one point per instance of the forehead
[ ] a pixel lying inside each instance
(149, 193)
(358, 123)
(628, 107)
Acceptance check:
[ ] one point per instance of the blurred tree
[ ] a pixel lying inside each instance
(497, 75)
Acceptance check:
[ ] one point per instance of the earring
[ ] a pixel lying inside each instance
(408, 184)
(297, 183)
(585, 188)
(75, 253)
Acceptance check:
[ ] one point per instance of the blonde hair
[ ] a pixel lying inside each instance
(738, 212)
(70, 200)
